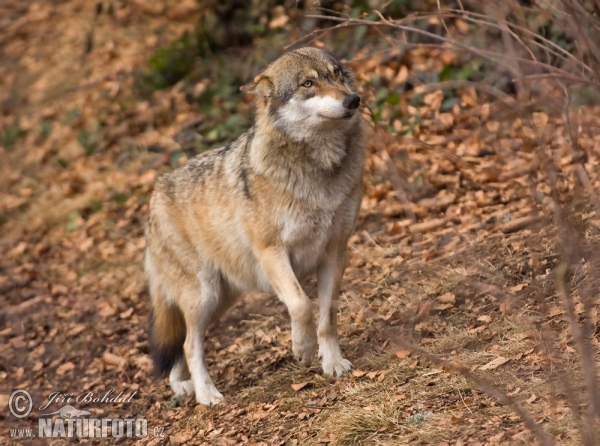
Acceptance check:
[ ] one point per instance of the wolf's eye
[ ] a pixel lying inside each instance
(307, 84)
(337, 71)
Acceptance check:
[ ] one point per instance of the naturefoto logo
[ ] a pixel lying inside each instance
(70, 422)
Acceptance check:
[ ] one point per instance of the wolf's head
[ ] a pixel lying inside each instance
(304, 91)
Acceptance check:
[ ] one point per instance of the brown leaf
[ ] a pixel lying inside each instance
(147, 177)
(402, 353)
(495, 363)
(456, 420)
(427, 226)
(299, 386)
(462, 26)
(278, 22)
(555, 310)
(519, 287)
(59, 290)
(358, 373)
(383, 374)
(78, 328)
(447, 298)
(520, 223)
(18, 250)
(540, 119)
(86, 244)
(112, 359)
(106, 309)
(64, 368)
(126, 314)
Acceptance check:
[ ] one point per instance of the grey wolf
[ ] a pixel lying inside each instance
(260, 214)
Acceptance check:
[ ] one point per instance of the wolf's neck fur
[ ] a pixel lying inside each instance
(279, 153)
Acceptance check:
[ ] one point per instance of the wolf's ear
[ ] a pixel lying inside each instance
(262, 86)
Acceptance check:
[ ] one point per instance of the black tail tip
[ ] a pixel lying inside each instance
(164, 358)
(164, 352)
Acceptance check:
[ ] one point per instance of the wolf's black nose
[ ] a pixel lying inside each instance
(351, 101)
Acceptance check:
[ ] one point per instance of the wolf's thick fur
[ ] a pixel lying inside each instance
(261, 214)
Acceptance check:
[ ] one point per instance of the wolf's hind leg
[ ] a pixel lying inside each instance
(198, 315)
(180, 378)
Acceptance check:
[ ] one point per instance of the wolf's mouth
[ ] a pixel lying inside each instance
(336, 118)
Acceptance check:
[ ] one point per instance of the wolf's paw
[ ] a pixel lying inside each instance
(304, 351)
(209, 395)
(182, 388)
(304, 343)
(337, 367)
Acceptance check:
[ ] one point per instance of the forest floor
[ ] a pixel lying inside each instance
(465, 273)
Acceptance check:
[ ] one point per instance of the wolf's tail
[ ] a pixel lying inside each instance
(167, 335)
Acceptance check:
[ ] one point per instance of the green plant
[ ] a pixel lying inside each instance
(88, 140)
(11, 135)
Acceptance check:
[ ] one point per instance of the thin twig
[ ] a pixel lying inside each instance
(501, 59)
(468, 16)
(568, 387)
(397, 182)
(586, 354)
(442, 19)
(579, 167)
(312, 36)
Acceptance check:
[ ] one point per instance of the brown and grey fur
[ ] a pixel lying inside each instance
(260, 214)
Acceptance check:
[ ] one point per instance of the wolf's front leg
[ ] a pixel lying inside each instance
(276, 265)
(329, 277)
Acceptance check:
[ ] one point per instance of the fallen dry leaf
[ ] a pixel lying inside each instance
(447, 298)
(427, 226)
(517, 288)
(532, 398)
(112, 359)
(299, 386)
(402, 354)
(495, 363)
(200, 408)
(64, 368)
(106, 309)
(383, 374)
(486, 319)
(520, 223)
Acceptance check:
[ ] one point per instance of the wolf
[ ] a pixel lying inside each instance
(260, 214)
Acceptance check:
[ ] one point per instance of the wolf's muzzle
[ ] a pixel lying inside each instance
(351, 101)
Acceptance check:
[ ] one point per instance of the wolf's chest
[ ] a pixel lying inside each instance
(305, 238)
(306, 229)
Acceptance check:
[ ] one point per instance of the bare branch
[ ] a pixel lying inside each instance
(503, 60)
